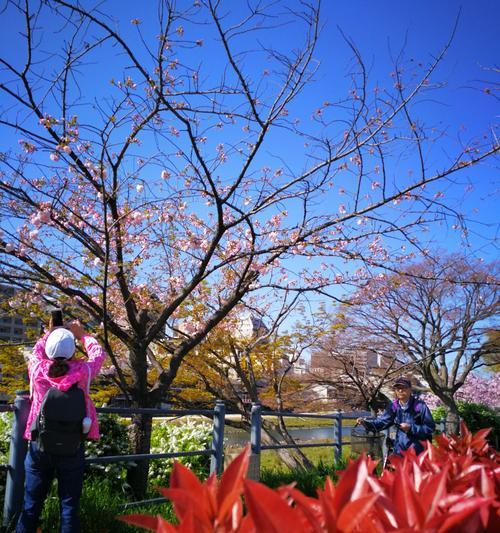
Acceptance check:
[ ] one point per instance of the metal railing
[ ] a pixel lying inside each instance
(14, 487)
(256, 434)
(18, 445)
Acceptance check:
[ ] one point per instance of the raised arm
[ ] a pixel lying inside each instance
(38, 353)
(385, 420)
(95, 352)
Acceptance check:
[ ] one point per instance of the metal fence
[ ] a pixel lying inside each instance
(14, 487)
(18, 445)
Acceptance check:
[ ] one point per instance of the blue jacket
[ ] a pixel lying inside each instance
(417, 414)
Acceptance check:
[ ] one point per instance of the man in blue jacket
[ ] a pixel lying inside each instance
(410, 415)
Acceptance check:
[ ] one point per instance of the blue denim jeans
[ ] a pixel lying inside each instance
(41, 468)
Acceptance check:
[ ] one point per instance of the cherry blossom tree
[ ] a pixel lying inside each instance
(153, 180)
(478, 389)
(433, 318)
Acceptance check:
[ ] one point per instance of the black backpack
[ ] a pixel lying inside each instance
(58, 427)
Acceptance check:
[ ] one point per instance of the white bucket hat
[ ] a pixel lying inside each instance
(60, 344)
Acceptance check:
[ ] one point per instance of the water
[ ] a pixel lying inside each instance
(239, 437)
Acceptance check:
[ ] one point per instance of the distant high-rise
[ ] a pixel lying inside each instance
(12, 327)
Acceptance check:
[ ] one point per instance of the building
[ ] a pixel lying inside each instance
(13, 329)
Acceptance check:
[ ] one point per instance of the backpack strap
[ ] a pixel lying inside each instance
(88, 379)
(395, 410)
(87, 391)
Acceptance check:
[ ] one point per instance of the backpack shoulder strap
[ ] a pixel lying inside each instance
(394, 405)
(417, 405)
(89, 377)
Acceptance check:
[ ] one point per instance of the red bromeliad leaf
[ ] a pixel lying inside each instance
(231, 486)
(487, 484)
(479, 442)
(408, 507)
(186, 503)
(188, 525)
(352, 483)
(355, 512)
(233, 476)
(269, 511)
(309, 507)
(329, 513)
(462, 513)
(432, 493)
(247, 525)
(183, 478)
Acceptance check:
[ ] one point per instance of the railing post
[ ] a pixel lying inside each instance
(255, 441)
(337, 437)
(216, 462)
(14, 488)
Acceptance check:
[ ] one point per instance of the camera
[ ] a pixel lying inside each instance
(57, 318)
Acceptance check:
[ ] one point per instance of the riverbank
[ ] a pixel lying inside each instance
(291, 422)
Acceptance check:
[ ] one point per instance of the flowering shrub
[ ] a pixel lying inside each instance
(5, 429)
(165, 438)
(451, 487)
(169, 438)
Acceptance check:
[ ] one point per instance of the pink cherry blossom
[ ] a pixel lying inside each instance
(28, 147)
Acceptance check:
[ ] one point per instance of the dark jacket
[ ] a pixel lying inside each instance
(419, 417)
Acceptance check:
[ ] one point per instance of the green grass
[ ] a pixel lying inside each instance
(303, 422)
(99, 507)
(271, 460)
(275, 473)
(290, 421)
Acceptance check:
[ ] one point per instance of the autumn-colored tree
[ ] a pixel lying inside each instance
(245, 360)
(432, 317)
(146, 173)
(12, 370)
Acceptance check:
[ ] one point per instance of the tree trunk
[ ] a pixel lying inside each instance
(293, 459)
(140, 439)
(452, 421)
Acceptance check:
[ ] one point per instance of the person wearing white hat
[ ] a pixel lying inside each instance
(60, 344)
(53, 365)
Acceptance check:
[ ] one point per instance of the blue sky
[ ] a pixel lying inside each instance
(379, 30)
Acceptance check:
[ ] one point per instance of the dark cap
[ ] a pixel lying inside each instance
(403, 382)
